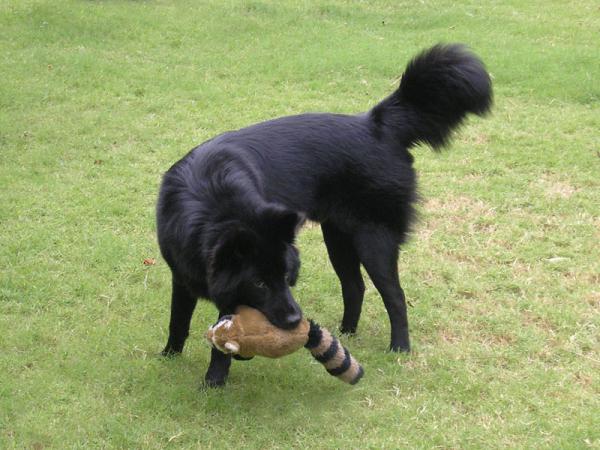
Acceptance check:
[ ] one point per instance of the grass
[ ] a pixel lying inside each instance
(98, 98)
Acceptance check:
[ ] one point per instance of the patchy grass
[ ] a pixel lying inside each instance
(97, 100)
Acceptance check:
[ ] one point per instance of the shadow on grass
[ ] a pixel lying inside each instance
(259, 391)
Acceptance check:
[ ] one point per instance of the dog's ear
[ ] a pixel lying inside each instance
(292, 258)
(228, 260)
(234, 246)
(282, 223)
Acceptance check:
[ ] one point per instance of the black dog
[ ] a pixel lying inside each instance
(228, 211)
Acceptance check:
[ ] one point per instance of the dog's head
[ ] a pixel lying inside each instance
(254, 262)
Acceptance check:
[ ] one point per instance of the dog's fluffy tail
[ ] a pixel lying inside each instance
(438, 89)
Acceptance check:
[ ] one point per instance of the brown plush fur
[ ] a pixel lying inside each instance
(249, 333)
(253, 334)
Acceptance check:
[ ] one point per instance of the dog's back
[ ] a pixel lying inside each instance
(356, 168)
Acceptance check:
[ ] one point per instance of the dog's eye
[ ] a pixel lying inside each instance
(260, 284)
(287, 278)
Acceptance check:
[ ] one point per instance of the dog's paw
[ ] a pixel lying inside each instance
(169, 351)
(212, 384)
(400, 342)
(213, 380)
(347, 330)
(400, 348)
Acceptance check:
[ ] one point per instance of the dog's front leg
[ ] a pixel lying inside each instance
(183, 304)
(218, 369)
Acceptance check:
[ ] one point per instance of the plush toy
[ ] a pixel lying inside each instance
(249, 333)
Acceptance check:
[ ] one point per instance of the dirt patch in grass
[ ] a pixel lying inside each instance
(461, 209)
(553, 187)
(593, 299)
(462, 204)
(449, 336)
(475, 139)
(531, 319)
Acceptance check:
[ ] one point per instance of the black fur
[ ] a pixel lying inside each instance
(229, 210)
(314, 335)
(343, 367)
(330, 352)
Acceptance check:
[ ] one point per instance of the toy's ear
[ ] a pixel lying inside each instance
(217, 335)
(233, 347)
(282, 223)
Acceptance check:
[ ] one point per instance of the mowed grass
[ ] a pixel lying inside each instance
(99, 98)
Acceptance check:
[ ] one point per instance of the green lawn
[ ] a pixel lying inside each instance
(99, 98)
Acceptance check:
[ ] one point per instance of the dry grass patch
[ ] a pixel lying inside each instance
(554, 187)
(454, 214)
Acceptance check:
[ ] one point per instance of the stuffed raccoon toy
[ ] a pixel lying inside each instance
(248, 333)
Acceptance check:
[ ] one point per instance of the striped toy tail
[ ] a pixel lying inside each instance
(336, 358)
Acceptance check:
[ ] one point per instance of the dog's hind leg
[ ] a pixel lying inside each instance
(346, 264)
(378, 252)
(182, 308)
